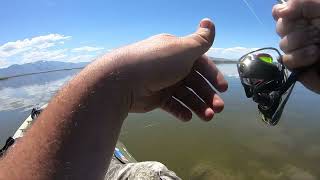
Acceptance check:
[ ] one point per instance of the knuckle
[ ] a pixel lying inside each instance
(299, 39)
(203, 40)
(312, 51)
(303, 57)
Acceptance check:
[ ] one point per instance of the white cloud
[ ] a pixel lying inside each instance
(47, 47)
(36, 43)
(87, 49)
(229, 53)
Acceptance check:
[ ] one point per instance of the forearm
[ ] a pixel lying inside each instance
(76, 134)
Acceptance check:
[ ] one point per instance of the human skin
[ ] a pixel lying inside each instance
(75, 136)
(298, 24)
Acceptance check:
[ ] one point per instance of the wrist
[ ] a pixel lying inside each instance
(114, 79)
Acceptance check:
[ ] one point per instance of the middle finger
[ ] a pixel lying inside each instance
(284, 26)
(303, 57)
(300, 38)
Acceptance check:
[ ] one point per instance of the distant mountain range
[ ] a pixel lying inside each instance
(223, 60)
(38, 67)
(48, 66)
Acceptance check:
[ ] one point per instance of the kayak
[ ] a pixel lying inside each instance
(28, 122)
(120, 153)
(122, 165)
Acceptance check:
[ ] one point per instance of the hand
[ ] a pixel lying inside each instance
(165, 68)
(95, 103)
(298, 24)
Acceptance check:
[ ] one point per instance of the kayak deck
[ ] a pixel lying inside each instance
(121, 152)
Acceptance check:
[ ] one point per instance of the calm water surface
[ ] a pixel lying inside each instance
(235, 145)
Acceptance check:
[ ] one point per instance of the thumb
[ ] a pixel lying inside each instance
(200, 41)
(206, 31)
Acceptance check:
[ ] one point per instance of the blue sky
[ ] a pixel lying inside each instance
(80, 30)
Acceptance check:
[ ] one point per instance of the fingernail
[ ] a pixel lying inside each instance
(206, 23)
(209, 113)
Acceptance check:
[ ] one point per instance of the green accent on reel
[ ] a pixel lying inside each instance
(266, 59)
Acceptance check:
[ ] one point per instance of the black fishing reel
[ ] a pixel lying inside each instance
(265, 80)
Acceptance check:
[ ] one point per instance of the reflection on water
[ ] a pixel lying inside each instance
(229, 70)
(28, 91)
(235, 145)
(19, 95)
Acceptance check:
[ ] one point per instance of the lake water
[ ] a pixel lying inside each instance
(236, 145)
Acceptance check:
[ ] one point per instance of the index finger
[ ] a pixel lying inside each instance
(277, 8)
(295, 9)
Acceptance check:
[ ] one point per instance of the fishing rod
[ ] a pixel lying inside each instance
(41, 72)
